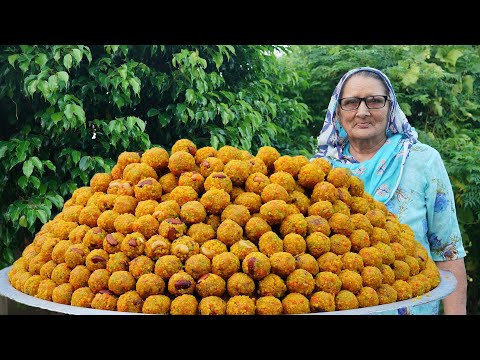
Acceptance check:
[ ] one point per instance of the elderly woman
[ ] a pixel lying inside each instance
(366, 131)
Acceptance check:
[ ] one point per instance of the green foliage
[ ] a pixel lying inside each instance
(438, 89)
(68, 111)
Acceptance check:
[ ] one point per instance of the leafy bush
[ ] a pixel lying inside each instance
(67, 112)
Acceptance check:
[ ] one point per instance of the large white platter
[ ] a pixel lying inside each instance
(446, 286)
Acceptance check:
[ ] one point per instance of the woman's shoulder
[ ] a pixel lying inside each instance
(421, 151)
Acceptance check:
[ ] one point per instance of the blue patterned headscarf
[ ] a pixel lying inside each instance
(380, 174)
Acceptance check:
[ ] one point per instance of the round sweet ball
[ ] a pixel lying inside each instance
(268, 154)
(138, 171)
(128, 157)
(204, 153)
(100, 182)
(181, 161)
(62, 294)
(150, 284)
(156, 304)
(210, 165)
(310, 175)
(210, 285)
(240, 284)
(184, 247)
(240, 305)
(105, 300)
(98, 280)
(226, 264)
(228, 152)
(184, 145)
(282, 263)
(339, 177)
(351, 280)
(120, 282)
(270, 243)
(79, 276)
(193, 179)
(97, 259)
(156, 157)
(308, 262)
(157, 246)
(346, 300)
(148, 189)
(256, 265)
(268, 305)
(295, 303)
(212, 305)
(130, 301)
(367, 297)
(229, 232)
(215, 200)
(328, 281)
(272, 285)
(386, 294)
(300, 281)
(117, 261)
(185, 304)
(212, 247)
(82, 297)
(242, 248)
(30, 287)
(322, 301)
(198, 265)
(181, 283)
(167, 265)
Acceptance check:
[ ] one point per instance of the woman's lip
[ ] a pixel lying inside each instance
(363, 125)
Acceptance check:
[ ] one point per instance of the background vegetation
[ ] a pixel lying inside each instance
(66, 112)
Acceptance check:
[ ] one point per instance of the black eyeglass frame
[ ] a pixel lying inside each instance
(385, 97)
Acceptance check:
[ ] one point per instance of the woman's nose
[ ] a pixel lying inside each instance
(363, 109)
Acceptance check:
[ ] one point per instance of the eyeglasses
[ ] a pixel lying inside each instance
(372, 102)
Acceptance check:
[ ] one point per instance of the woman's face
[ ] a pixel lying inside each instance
(364, 123)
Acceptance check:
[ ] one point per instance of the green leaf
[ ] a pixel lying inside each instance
(123, 71)
(3, 150)
(150, 113)
(56, 200)
(35, 181)
(79, 112)
(84, 163)
(67, 61)
(23, 65)
(135, 85)
(63, 76)
(53, 83)
(56, 117)
(12, 58)
(77, 55)
(411, 76)
(37, 162)
(190, 96)
(49, 164)
(69, 111)
(118, 100)
(43, 87)
(42, 215)
(27, 168)
(31, 216)
(22, 182)
(453, 56)
(41, 59)
(32, 87)
(22, 221)
(76, 156)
